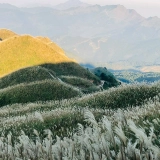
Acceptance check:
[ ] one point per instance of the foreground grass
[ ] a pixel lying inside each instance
(29, 131)
(107, 139)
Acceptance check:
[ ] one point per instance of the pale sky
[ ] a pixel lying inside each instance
(146, 8)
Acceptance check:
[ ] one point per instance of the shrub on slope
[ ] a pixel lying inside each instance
(26, 75)
(37, 91)
(108, 78)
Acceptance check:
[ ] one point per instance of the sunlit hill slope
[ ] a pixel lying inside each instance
(20, 51)
(5, 34)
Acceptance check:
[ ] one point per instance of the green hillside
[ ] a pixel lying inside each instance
(121, 97)
(82, 78)
(72, 69)
(46, 82)
(37, 91)
(85, 85)
(26, 75)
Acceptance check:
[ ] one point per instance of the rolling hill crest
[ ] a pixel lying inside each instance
(20, 51)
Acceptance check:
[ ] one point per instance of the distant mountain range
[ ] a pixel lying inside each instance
(101, 35)
(71, 4)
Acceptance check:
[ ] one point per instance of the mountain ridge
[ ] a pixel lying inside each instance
(5, 34)
(70, 4)
(24, 51)
(91, 33)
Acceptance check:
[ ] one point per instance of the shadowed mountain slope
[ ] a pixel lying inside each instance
(72, 69)
(26, 75)
(47, 83)
(50, 71)
(37, 91)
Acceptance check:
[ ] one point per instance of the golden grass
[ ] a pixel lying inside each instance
(51, 44)
(5, 34)
(23, 51)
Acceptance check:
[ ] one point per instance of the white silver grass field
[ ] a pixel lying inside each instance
(99, 141)
(129, 133)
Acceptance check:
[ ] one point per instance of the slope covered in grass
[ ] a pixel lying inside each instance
(72, 69)
(37, 91)
(134, 129)
(84, 80)
(121, 97)
(84, 84)
(51, 44)
(106, 102)
(103, 138)
(26, 75)
(24, 51)
(115, 130)
(5, 34)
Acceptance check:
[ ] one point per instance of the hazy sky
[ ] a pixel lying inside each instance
(146, 8)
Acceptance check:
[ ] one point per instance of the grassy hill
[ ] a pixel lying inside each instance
(72, 69)
(31, 69)
(121, 97)
(26, 75)
(24, 51)
(5, 34)
(51, 44)
(85, 85)
(83, 79)
(48, 122)
(37, 91)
